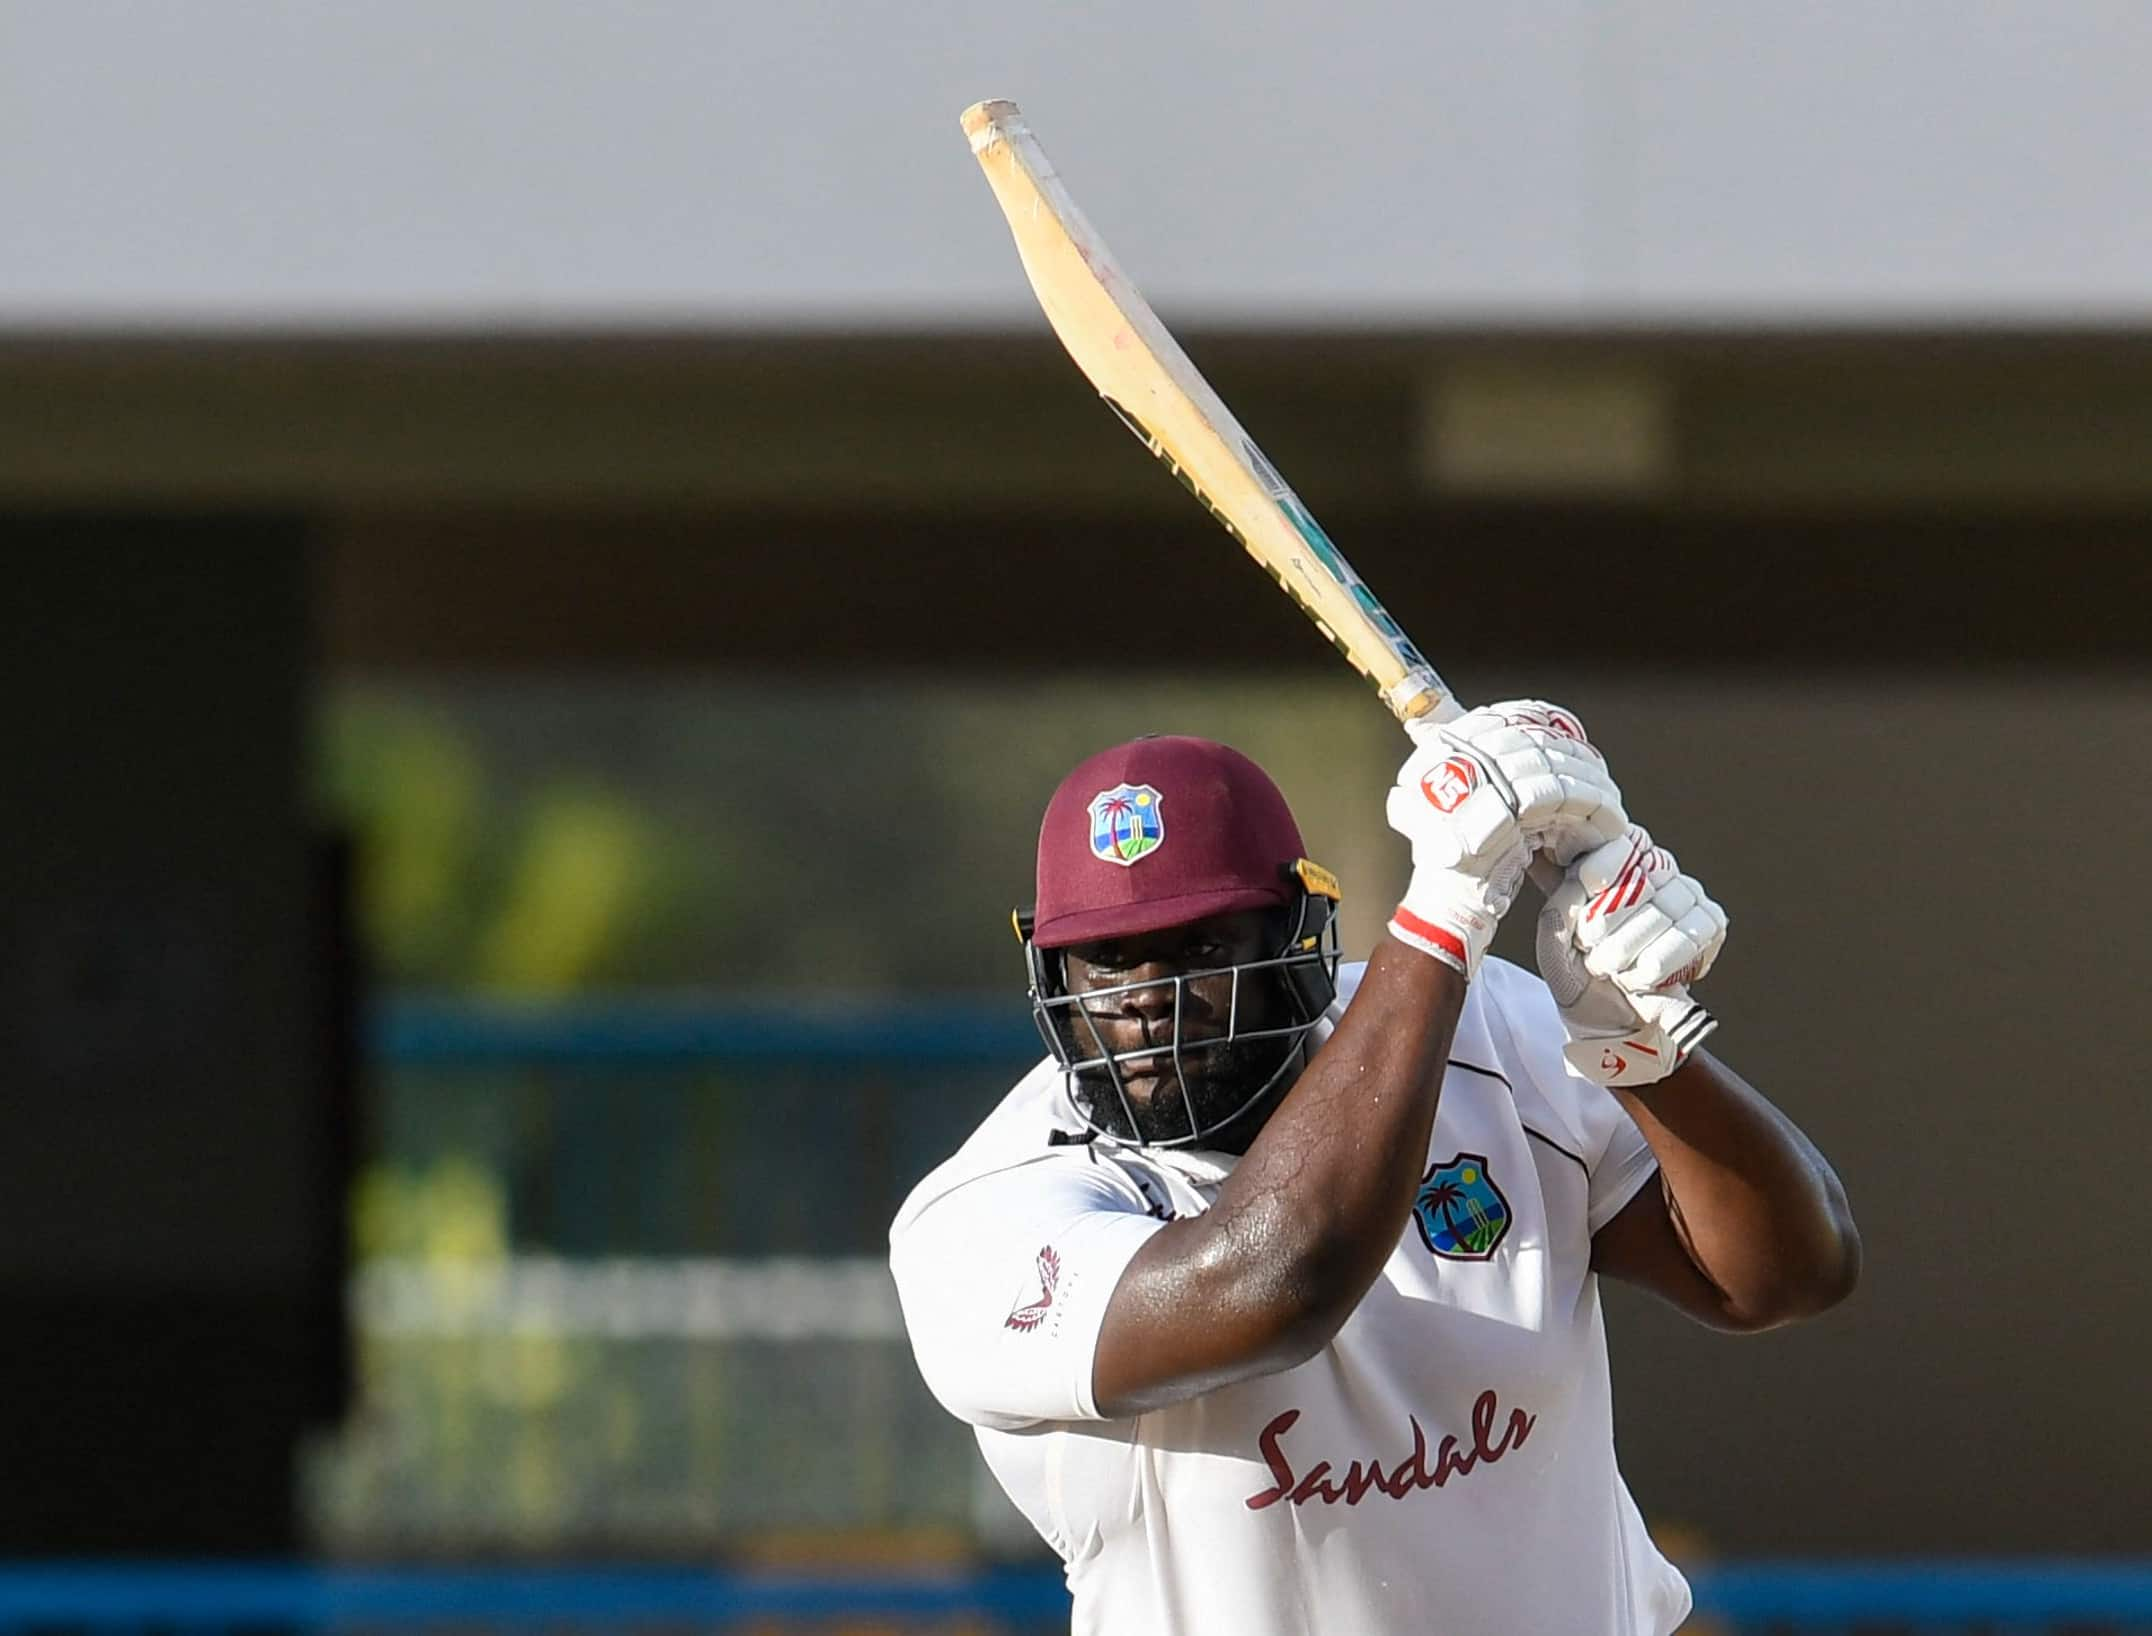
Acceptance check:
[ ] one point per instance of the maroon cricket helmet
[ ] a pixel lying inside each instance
(1159, 832)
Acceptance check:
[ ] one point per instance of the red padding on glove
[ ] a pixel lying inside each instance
(1441, 936)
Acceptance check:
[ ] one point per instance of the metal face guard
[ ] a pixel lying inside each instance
(1306, 969)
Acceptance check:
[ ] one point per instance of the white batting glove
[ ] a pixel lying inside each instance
(1619, 942)
(1469, 853)
(1555, 779)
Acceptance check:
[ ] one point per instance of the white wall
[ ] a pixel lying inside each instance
(513, 162)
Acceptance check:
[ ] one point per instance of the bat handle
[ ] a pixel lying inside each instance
(1421, 695)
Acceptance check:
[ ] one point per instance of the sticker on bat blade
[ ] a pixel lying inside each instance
(1332, 559)
(1300, 521)
(1280, 490)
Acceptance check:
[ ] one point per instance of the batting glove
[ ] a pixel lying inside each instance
(1619, 941)
(1552, 775)
(1456, 800)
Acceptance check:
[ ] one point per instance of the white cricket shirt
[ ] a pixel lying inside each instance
(1445, 1464)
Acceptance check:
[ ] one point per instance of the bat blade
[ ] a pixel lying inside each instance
(1147, 380)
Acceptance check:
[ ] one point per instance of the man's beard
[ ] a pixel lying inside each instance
(1218, 1092)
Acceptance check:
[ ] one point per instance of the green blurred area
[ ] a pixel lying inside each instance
(545, 840)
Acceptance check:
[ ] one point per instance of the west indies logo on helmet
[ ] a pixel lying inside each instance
(1126, 824)
(1109, 868)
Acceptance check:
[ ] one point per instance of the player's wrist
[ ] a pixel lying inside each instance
(1661, 1033)
(1452, 917)
(1436, 941)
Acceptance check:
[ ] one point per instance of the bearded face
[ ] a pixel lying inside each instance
(1217, 990)
(1217, 1095)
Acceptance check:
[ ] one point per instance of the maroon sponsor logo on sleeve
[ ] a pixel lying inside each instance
(1026, 1316)
(1451, 1458)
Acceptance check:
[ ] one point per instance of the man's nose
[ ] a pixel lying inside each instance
(1151, 995)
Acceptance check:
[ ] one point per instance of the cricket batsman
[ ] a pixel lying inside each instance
(1272, 1291)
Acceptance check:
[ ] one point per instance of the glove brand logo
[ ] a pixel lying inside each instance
(1566, 725)
(1447, 785)
(1126, 823)
(1407, 1477)
(1628, 886)
(1460, 1212)
(1026, 1316)
(1549, 718)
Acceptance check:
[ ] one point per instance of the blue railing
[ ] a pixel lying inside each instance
(218, 1598)
(921, 1032)
(2029, 1594)
(983, 1033)
(1939, 1594)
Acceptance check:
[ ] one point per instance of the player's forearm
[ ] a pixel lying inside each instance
(1316, 1205)
(1305, 1222)
(1758, 1209)
(1332, 1177)
(1263, 1279)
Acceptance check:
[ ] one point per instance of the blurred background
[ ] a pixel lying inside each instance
(553, 563)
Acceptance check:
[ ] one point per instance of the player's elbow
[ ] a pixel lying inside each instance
(1194, 1328)
(1323, 1287)
(1837, 1272)
(1834, 1270)
(1299, 1333)
(1296, 1300)
(1808, 1284)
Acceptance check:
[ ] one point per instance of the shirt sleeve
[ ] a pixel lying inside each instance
(1004, 1282)
(1616, 1157)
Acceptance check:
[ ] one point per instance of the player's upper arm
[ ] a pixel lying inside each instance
(1636, 1236)
(1643, 1247)
(1005, 1281)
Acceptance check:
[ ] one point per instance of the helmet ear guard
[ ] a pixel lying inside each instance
(1048, 974)
(1313, 982)
(1314, 878)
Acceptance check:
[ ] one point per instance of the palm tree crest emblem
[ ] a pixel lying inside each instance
(1460, 1212)
(1126, 823)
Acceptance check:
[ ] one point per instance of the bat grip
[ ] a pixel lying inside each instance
(1420, 695)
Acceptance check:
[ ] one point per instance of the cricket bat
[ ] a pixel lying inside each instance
(1158, 395)
(1146, 379)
